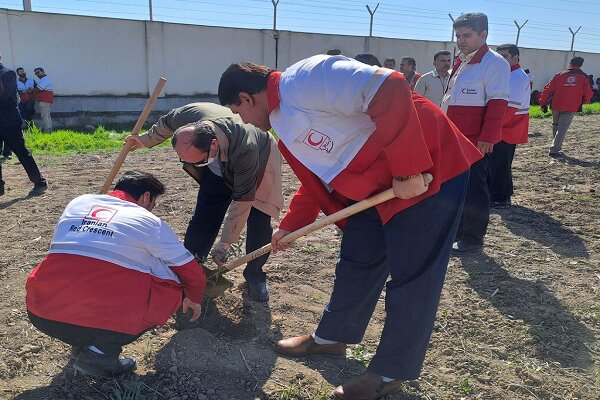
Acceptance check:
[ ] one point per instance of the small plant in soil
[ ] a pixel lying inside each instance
(465, 386)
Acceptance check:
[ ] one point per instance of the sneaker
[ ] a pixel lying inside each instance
(39, 188)
(103, 365)
(1, 190)
(556, 154)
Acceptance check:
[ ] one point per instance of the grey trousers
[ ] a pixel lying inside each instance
(561, 120)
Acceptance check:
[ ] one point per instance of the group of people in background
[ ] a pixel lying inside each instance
(29, 93)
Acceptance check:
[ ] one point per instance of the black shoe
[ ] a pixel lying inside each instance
(103, 365)
(556, 154)
(500, 204)
(1, 190)
(39, 188)
(462, 247)
(8, 156)
(258, 290)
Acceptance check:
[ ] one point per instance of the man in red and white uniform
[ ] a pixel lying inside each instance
(114, 271)
(44, 94)
(348, 131)
(476, 101)
(570, 89)
(515, 128)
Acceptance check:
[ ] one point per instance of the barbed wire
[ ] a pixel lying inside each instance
(391, 19)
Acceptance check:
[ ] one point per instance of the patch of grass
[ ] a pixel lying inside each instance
(536, 112)
(289, 393)
(313, 250)
(465, 386)
(360, 354)
(64, 141)
(131, 391)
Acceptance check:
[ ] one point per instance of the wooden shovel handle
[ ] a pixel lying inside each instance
(328, 220)
(136, 129)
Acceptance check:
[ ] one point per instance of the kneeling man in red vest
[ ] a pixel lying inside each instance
(114, 270)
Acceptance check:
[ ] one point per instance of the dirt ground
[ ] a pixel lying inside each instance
(520, 321)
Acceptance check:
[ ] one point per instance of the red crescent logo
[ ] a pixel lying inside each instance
(315, 144)
(101, 213)
(99, 210)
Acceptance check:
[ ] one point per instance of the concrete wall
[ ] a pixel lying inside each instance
(103, 68)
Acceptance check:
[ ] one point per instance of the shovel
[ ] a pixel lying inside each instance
(217, 283)
(136, 129)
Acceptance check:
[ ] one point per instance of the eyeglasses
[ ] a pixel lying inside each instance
(196, 164)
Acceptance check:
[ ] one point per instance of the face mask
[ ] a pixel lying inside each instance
(205, 163)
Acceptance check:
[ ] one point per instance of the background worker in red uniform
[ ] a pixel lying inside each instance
(114, 271)
(515, 128)
(570, 89)
(349, 131)
(476, 100)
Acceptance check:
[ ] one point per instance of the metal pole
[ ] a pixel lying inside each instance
(26, 5)
(519, 27)
(275, 2)
(573, 36)
(451, 32)
(150, 8)
(372, 14)
(275, 32)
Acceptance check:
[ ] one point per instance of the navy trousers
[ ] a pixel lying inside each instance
(500, 180)
(413, 248)
(476, 212)
(213, 200)
(12, 136)
(108, 342)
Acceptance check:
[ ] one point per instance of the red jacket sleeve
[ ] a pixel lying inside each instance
(303, 210)
(547, 91)
(193, 280)
(491, 130)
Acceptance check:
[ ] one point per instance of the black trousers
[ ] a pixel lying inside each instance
(501, 181)
(12, 136)
(27, 110)
(476, 212)
(108, 342)
(414, 248)
(213, 200)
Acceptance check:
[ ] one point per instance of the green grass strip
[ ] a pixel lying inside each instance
(62, 142)
(535, 112)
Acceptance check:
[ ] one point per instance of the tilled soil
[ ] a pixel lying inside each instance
(520, 321)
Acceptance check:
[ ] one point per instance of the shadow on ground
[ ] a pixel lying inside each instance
(543, 229)
(555, 333)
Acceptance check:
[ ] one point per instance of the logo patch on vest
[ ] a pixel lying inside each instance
(318, 141)
(101, 213)
(468, 91)
(571, 80)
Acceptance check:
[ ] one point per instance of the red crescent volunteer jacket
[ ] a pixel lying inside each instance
(113, 265)
(477, 95)
(412, 135)
(515, 127)
(570, 89)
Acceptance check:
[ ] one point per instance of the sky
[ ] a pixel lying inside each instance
(547, 27)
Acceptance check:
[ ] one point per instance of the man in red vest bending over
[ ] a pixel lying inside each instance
(351, 130)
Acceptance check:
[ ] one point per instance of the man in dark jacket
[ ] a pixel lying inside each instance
(11, 133)
(570, 89)
(239, 167)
